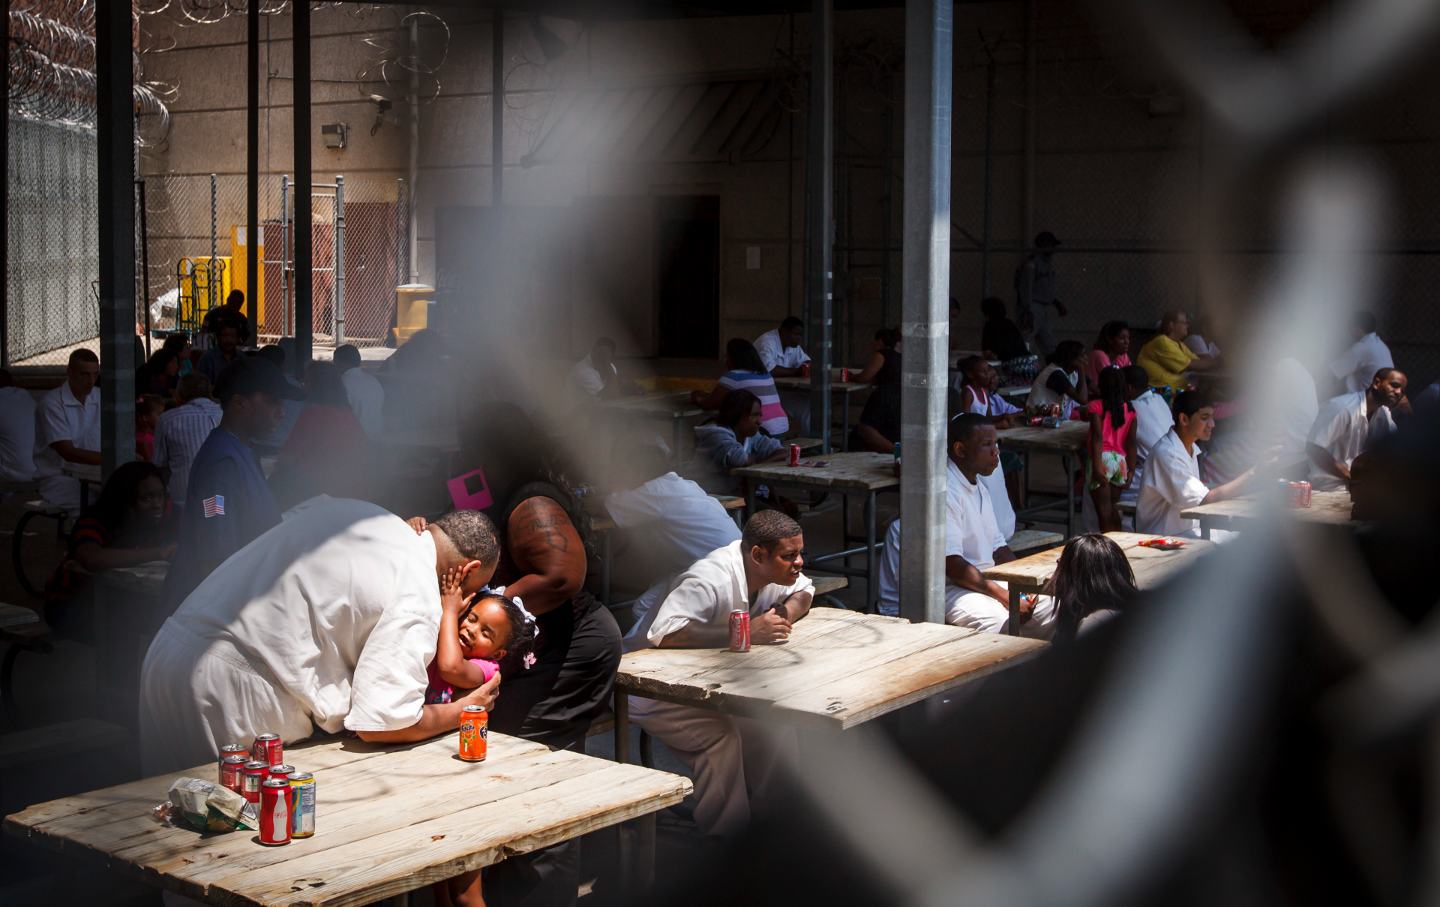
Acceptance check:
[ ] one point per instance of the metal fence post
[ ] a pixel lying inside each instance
(214, 241)
(339, 309)
(284, 256)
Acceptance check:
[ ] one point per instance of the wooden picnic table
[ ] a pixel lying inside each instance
(855, 472)
(843, 389)
(1332, 508)
(388, 821)
(1152, 567)
(839, 669)
(87, 474)
(665, 404)
(1069, 441)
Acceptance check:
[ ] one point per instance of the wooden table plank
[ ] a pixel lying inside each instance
(1070, 437)
(839, 669)
(862, 470)
(387, 821)
(1328, 507)
(1152, 567)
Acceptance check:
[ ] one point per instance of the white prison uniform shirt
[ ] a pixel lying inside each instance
(1358, 365)
(995, 481)
(1171, 483)
(17, 434)
(671, 523)
(367, 400)
(972, 533)
(178, 436)
(60, 417)
(329, 618)
(773, 352)
(1343, 429)
(728, 756)
(585, 377)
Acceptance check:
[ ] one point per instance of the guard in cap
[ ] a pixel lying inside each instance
(229, 503)
(1035, 293)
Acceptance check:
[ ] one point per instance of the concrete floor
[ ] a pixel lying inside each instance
(59, 686)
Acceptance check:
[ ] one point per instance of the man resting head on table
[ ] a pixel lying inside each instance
(328, 620)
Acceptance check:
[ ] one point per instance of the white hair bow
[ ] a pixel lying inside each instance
(530, 618)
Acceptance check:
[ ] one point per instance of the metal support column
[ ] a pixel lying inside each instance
(144, 244)
(252, 170)
(304, 180)
(986, 239)
(412, 209)
(497, 110)
(339, 307)
(819, 204)
(1027, 187)
(925, 321)
(5, 224)
(115, 155)
(286, 269)
(213, 281)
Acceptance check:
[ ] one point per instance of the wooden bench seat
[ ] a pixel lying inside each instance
(1029, 541)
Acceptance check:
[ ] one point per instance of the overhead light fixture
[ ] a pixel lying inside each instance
(334, 135)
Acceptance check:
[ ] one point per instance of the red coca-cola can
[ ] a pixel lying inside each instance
(268, 749)
(255, 776)
(275, 812)
(739, 630)
(232, 749)
(794, 454)
(232, 773)
(805, 370)
(844, 376)
(1300, 494)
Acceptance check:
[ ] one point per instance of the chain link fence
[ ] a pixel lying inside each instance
(358, 240)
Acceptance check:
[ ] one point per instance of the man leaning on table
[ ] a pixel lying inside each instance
(1348, 424)
(328, 620)
(731, 758)
(973, 540)
(1172, 482)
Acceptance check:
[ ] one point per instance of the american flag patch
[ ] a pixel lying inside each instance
(214, 506)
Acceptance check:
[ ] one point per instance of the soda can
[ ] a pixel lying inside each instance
(302, 805)
(1300, 493)
(739, 630)
(255, 776)
(897, 453)
(805, 370)
(275, 812)
(844, 376)
(232, 774)
(268, 749)
(474, 733)
(282, 771)
(233, 749)
(794, 454)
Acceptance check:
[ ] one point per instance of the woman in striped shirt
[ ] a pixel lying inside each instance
(745, 371)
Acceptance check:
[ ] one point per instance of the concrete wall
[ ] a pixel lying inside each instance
(1119, 179)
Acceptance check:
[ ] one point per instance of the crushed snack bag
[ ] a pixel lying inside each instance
(207, 806)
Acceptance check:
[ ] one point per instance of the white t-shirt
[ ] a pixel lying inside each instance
(970, 527)
(1153, 420)
(673, 523)
(1343, 428)
(1358, 365)
(61, 417)
(706, 593)
(338, 606)
(1042, 395)
(17, 434)
(1170, 484)
(367, 400)
(586, 377)
(773, 353)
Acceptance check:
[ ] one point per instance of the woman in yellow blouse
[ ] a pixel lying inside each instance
(1165, 358)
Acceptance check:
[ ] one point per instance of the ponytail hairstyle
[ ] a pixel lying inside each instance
(1113, 394)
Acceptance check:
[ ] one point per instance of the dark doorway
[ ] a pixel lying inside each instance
(688, 261)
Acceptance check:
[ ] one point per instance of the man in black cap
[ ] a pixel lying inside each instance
(228, 502)
(1035, 292)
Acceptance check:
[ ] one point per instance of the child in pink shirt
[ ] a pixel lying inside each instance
(476, 634)
(1112, 446)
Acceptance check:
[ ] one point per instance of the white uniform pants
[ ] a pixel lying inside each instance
(732, 759)
(978, 611)
(196, 696)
